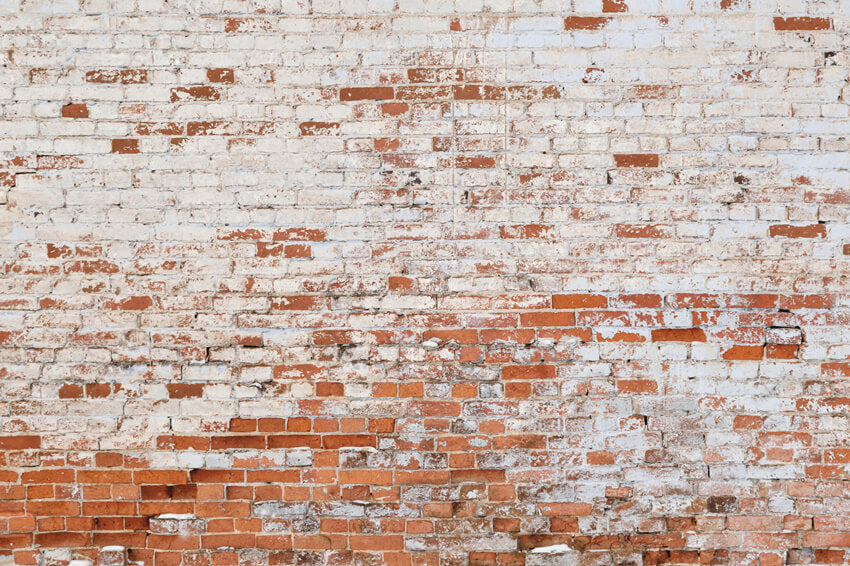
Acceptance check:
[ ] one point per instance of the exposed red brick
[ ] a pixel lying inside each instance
(792, 231)
(129, 304)
(298, 303)
(265, 249)
(614, 6)
(173, 442)
(528, 372)
(71, 391)
(580, 301)
(91, 266)
(209, 128)
(636, 159)
(394, 108)
(474, 162)
(299, 234)
(644, 231)
(319, 128)
(678, 335)
(532, 231)
(803, 23)
(387, 144)
(159, 128)
(782, 351)
(220, 75)
(478, 92)
(75, 111)
(54, 251)
(366, 93)
(585, 22)
(348, 440)
(747, 422)
(125, 146)
(744, 353)
(195, 93)
(299, 371)
(636, 386)
(548, 319)
(184, 390)
(19, 442)
(297, 250)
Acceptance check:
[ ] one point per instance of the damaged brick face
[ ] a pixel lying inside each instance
(422, 283)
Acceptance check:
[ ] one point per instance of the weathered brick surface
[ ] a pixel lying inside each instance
(423, 282)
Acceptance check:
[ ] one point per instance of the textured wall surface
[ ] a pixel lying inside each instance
(424, 283)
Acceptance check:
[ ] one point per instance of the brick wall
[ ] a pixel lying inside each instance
(424, 283)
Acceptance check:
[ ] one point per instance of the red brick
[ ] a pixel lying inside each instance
(614, 6)
(195, 93)
(742, 352)
(217, 476)
(547, 319)
(299, 234)
(678, 335)
(747, 422)
(528, 372)
(175, 442)
(62, 539)
(585, 22)
(125, 146)
(73, 110)
(319, 128)
(792, 231)
(22, 442)
(394, 108)
(643, 231)
(636, 159)
(298, 303)
(348, 440)
(16, 540)
(376, 542)
(172, 477)
(48, 476)
(636, 386)
(579, 302)
(184, 390)
(803, 23)
(220, 75)
(366, 93)
(474, 162)
(295, 440)
(528, 231)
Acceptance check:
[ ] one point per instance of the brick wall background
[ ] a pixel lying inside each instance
(422, 282)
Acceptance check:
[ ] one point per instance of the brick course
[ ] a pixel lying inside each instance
(424, 283)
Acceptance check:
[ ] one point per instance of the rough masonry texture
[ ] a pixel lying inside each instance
(424, 282)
